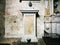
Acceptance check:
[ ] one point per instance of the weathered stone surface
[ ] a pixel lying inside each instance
(12, 25)
(13, 7)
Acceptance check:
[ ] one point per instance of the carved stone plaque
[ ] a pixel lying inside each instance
(29, 24)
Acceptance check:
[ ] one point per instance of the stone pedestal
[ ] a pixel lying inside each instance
(29, 21)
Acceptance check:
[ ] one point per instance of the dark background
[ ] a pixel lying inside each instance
(2, 18)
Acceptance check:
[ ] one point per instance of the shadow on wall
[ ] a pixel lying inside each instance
(2, 19)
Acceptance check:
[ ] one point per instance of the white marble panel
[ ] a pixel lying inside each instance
(55, 19)
(58, 28)
(54, 27)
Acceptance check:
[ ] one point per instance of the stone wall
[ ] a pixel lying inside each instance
(13, 8)
(14, 18)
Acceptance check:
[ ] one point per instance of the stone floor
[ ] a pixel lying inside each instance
(9, 42)
(41, 42)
